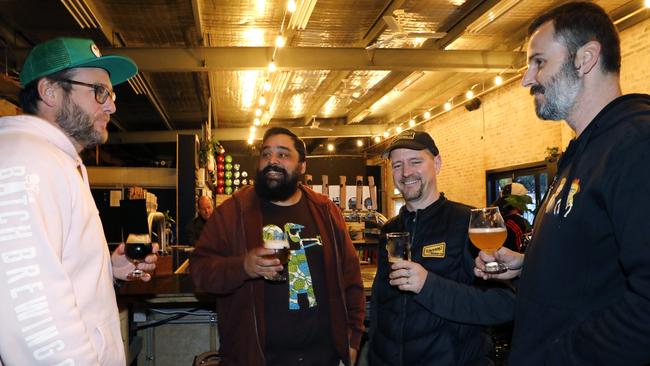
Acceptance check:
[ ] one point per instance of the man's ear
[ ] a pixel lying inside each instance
(587, 57)
(47, 91)
(303, 167)
(437, 163)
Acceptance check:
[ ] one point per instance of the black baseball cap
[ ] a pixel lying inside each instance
(413, 140)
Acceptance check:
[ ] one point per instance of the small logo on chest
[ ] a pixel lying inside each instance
(434, 250)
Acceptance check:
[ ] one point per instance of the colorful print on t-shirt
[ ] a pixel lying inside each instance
(300, 281)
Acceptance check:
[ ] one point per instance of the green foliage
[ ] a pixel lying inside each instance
(520, 202)
(208, 148)
(552, 154)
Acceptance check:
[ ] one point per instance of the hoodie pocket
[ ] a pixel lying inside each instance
(108, 344)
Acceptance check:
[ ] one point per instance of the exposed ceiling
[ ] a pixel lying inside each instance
(350, 68)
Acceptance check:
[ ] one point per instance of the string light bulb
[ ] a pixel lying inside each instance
(330, 147)
(398, 129)
(291, 6)
(272, 67)
(498, 80)
(262, 100)
(267, 86)
(257, 122)
(411, 122)
(280, 41)
(253, 128)
(250, 141)
(258, 112)
(359, 143)
(447, 106)
(469, 94)
(427, 115)
(386, 134)
(377, 139)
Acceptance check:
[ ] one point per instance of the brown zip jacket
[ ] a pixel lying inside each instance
(217, 267)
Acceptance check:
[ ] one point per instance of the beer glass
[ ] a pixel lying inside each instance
(398, 246)
(136, 249)
(281, 247)
(487, 232)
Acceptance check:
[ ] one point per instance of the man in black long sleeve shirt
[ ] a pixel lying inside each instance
(584, 293)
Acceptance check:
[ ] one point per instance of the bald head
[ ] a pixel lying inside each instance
(205, 207)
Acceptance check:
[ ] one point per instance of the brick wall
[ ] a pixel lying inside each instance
(505, 131)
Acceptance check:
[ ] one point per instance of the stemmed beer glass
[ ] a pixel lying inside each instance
(136, 249)
(487, 232)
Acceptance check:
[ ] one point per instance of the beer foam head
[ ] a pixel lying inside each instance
(276, 244)
(486, 230)
(138, 238)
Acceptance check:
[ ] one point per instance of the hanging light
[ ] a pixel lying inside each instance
(411, 122)
(447, 106)
(469, 94)
(272, 66)
(498, 80)
(427, 115)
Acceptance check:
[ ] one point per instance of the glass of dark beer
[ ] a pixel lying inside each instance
(282, 252)
(137, 247)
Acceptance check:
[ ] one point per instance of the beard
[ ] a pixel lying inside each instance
(560, 94)
(409, 194)
(276, 189)
(79, 125)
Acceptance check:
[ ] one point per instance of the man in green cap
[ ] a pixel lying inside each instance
(56, 284)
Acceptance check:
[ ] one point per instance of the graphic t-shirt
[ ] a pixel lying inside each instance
(296, 311)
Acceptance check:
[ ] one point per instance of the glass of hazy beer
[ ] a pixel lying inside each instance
(280, 245)
(487, 232)
(136, 249)
(398, 246)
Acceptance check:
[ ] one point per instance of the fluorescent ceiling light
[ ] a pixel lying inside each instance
(300, 17)
(486, 19)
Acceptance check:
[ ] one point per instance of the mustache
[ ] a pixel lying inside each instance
(537, 89)
(273, 168)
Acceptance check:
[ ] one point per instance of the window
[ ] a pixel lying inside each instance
(535, 178)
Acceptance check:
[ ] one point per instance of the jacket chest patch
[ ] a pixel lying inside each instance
(434, 250)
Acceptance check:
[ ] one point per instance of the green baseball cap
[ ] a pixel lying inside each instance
(65, 53)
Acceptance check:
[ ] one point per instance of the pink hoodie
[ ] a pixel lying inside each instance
(57, 303)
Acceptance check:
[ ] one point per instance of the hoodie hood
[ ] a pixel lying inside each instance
(39, 128)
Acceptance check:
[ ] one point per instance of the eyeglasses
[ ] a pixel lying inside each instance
(101, 92)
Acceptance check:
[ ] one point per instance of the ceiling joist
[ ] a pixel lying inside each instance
(198, 59)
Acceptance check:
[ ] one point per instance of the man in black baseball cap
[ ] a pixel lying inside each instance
(53, 240)
(414, 140)
(428, 287)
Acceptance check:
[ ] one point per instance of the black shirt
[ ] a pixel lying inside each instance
(297, 321)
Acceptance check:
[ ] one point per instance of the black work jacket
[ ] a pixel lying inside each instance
(441, 324)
